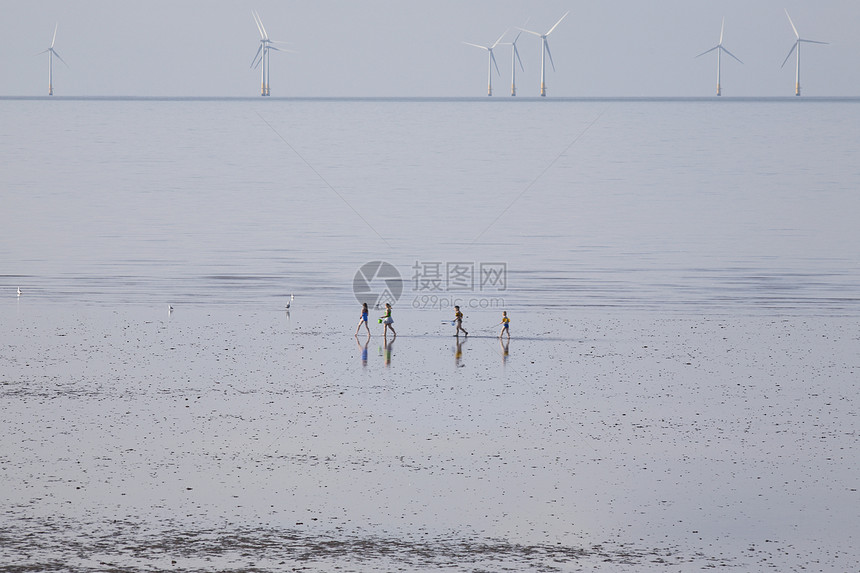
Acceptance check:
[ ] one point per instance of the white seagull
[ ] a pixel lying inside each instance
(290, 302)
(19, 291)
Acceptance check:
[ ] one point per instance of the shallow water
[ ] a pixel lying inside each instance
(664, 205)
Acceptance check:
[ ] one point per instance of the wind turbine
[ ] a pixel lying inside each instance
(51, 53)
(515, 57)
(491, 61)
(545, 52)
(796, 46)
(720, 49)
(261, 58)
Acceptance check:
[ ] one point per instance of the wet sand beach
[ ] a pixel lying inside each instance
(222, 439)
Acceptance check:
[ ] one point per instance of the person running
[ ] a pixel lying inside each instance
(458, 319)
(506, 323)
(387, 320)
(363, 320)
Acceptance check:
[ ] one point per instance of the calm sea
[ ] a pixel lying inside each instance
(691, 206)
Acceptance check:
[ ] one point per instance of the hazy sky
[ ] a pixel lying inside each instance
(408, 48)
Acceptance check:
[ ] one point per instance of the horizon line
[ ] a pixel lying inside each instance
(711, 98)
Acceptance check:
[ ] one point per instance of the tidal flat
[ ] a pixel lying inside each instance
(217, 439)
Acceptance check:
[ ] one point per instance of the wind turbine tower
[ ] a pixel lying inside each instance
(261, 58)
(491, 62)
(51, 53)
(720, 49)
(796, 47)
(545, 52)
(515, 57)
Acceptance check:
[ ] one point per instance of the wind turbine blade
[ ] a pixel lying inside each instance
(517, 38)
(257, 55)
(493, 58)
(812, 41)
(548, 53)
(708, 51)
(263, 28)
(61, 59)
(792, 23)
(530, 32)
(496, 43)
(731, 54)
(257, 22)
(557, 23)
(43, 52)
(517, 54)
(722, 29)
(54, 39)
(791, 51)
(476, 45)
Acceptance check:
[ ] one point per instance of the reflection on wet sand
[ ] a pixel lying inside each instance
(363, 349)
(389, 348)
(505, 344)
(458, 353)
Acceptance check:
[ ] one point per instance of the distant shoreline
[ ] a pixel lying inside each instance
(439, 99)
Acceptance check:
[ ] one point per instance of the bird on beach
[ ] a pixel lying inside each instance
(169, 309)
(289, 302)
(19, 291)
